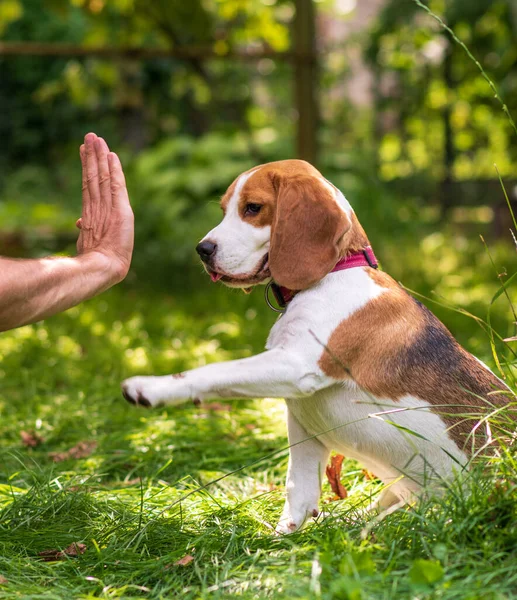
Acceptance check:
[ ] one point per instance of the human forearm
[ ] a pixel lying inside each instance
(34, 289)
(31, 290)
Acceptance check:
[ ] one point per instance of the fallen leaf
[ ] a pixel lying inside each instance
(135, 481)
(334, 476)
(217, 406)
(79, 488)
(75, 549)
(80, 450)
(186, 560)
(30, 439)
(368, 475)
(3, 580)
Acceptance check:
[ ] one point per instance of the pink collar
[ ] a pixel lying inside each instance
(363, 258)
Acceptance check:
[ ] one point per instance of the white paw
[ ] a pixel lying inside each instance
(149, 391)
(292, 520)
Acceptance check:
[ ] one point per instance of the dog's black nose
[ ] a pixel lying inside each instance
(206, 250)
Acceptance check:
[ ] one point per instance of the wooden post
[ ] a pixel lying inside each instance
(306, 80)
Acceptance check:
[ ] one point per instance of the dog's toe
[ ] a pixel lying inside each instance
(143, 401)
(127, 396)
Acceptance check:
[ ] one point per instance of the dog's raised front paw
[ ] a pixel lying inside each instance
(142, 391)
(156, 391)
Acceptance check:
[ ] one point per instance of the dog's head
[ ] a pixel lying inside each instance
(282, 220)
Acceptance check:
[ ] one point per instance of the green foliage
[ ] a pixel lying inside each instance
(425, 572)
(431, 80)
(10, 10)
(54, 102)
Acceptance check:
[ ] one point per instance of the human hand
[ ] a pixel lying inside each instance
(106, 223)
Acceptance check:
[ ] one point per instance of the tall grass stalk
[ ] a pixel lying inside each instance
(472, 57)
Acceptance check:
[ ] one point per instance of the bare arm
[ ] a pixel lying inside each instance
(33, 289)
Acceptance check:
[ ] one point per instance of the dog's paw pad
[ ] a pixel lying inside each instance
(143, 401)
(127, 396)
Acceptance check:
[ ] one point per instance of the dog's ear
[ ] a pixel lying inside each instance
(307, 228)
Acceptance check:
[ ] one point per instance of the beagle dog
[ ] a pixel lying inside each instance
(364, 368)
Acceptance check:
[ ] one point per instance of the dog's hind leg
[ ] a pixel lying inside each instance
(307, 461)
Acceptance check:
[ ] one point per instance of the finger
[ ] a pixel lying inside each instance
(86, 213)
(86, 195)
(119, 195)
(105, 144)
(92, 177)
(79, 223)
(101, 150)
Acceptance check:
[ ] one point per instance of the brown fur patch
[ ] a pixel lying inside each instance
(394, 346)
(355, 238)
(262, 188)
(382, 279)
(259, 189)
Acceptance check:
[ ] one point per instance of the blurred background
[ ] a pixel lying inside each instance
(374, 92)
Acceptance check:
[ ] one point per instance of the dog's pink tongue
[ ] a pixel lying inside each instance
(215, 276)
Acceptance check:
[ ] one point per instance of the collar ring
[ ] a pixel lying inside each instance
(268, 301)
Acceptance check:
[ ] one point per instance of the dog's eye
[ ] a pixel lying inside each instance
(252, 209)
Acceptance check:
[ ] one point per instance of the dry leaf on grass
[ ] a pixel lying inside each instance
(334, 476)
(183, 562)
(31, 439)
(79, 488)
(3, 580)
(135, 481)
(80, 450)
(75, 549)
(368, 475)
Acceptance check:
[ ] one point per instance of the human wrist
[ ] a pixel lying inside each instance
(106, 268)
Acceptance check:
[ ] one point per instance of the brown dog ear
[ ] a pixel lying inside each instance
(306, 231)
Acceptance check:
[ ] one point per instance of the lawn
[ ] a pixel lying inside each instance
(181, 502)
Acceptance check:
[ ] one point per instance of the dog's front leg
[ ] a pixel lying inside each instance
(307, 461)
(275, 373)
